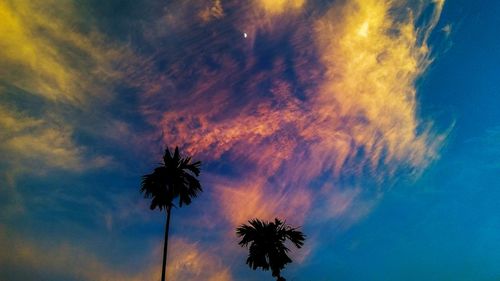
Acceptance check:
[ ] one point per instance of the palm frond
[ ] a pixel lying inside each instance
(167, 157)
(194, 167)
(174, 178)
(295, 236)
(177, 156)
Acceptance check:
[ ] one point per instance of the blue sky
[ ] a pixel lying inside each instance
(373, 125)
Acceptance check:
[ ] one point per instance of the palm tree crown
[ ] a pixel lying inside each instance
(267, 244)
(175, 177)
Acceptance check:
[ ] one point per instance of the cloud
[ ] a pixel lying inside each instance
(57, 73)
(373, 61)
(189, 262)
(44, 53)
(241, 201)
(274, 7)
(53, 67)
(62, 261)
(43, 56)
(307, 119)
(342, 106)
(213, 12)
(38, 145)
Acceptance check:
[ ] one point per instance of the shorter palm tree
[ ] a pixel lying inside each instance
(267, 244)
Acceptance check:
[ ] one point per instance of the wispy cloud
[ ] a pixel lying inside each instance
(47, 50)
(49, 55)
(306, 117)
(351, 114)
(25, 259)
(280, 6)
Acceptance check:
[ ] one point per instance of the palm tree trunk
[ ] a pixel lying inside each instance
(165, 244)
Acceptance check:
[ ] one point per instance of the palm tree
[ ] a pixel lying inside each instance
(175, 178)
(267, 244)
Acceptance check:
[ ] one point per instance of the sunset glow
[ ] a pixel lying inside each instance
(372, 124)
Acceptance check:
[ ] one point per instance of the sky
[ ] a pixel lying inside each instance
(371, 124)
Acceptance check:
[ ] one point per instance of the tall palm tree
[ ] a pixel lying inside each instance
(267, 244)
(175, 178)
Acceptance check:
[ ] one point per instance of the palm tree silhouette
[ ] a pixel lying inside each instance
(267, 244)
(175, 178)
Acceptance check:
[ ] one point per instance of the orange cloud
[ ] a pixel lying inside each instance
(189, 262)
(241, 201)
(212, 12)
(359, 117)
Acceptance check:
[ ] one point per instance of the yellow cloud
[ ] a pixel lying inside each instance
(186, 261)
(36, 145)
(42, 52)
(372, 62)
(275, 7)
(189, 262)
(46, 55)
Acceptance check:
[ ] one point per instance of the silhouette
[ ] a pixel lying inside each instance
(267, 244)
(175, 178)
